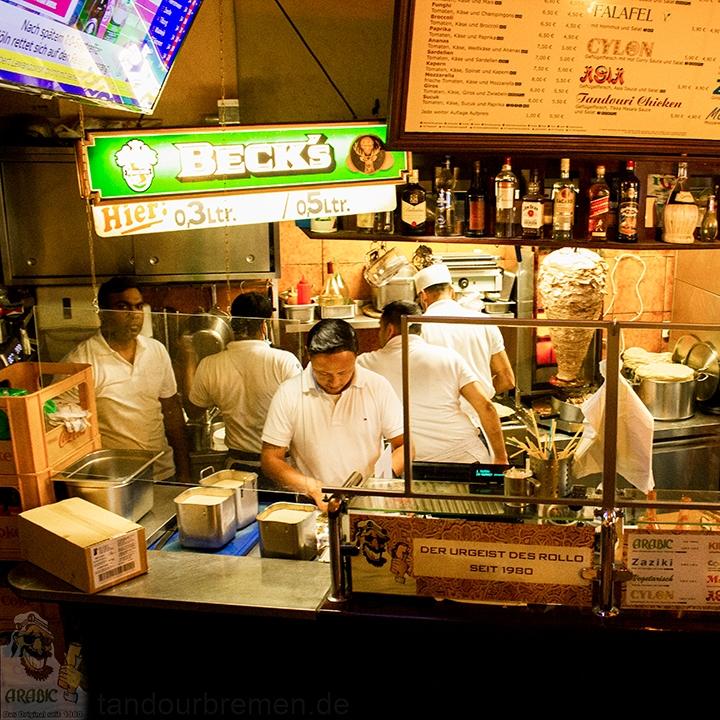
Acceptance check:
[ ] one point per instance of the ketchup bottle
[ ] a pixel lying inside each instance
(303, 291)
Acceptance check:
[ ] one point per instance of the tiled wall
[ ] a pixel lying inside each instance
(302, 255)
(641, 287)
(653, 269)
(696, 296)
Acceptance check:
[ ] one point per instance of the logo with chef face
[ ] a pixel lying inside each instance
(137, 161)
(32, 642)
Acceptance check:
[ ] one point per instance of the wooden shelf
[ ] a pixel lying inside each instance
(518, 241)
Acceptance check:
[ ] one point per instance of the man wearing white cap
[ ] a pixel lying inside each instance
(482, 346)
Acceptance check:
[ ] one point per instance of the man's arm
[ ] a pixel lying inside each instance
(503, 376)
(274, 466)
(397, 458)
(488, 418)
(175, 431)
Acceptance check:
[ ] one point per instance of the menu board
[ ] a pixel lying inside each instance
(672, 570)
(641, 69)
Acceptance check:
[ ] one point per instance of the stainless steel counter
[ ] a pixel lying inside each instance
(188, 580)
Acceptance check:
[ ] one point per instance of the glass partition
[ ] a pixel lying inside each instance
(578, 455)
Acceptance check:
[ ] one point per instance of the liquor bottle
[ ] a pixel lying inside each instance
(91, 16)
(506, 189)
(334, 291)
(531, 211)
(413, 207)
(599, 210)
(445, 200)
(563, 197)
(475, 216)
(628, 204)
(365, 222)
(384, 222)
(709, 225)
(681, 213)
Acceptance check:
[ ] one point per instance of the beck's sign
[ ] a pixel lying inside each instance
(161, 164)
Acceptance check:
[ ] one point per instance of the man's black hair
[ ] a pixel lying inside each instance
(394, 311)
(249, 305)
(331, 335)
(114, 286)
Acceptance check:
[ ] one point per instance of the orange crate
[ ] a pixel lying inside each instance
(34, 448)
(18, 493)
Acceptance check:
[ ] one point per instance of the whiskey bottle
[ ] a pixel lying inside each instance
(445, 202)
(475, 220)
(599, 208)
(506, 189)
(413, 207)
(563, 197)
(531, 211)
(628, 204)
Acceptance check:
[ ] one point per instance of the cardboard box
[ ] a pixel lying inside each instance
(82, 543)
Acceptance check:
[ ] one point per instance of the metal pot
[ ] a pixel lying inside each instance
(569, 412)
(668, 399)
(209, 333)
(395, 289)
(703, 358)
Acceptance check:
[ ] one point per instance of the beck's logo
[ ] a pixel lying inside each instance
(137, 161)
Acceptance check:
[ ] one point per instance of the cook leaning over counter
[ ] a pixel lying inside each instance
(138, 404)
(441, 431)
(332, 419)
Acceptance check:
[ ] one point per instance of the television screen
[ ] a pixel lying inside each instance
(116, 53)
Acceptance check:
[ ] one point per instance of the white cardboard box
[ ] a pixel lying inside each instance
(82, 543)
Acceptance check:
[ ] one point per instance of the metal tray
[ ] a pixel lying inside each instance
(116, 479)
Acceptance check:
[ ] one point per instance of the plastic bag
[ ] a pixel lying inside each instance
(635, 428)
(71, 415)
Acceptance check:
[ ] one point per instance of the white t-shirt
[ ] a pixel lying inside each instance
(441, 431)
(331, 438)
(476, 343)
(128, 395)
(241, 381)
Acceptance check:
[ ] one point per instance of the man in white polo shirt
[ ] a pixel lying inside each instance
(482, 346)
(438, 377)
(332, 419)
(135, 388)
(242, 379)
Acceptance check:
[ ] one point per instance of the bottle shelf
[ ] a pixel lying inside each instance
(518, 241)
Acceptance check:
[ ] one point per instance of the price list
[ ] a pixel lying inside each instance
(673, 570)
(646, 68)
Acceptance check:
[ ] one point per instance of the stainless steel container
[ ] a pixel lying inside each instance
(668, 399)
(244, 485)
(287, 530)
(118, 480)
(206, 517)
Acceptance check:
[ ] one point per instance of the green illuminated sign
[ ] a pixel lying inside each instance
(203, 161)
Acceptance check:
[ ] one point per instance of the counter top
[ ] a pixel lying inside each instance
(189, 580)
